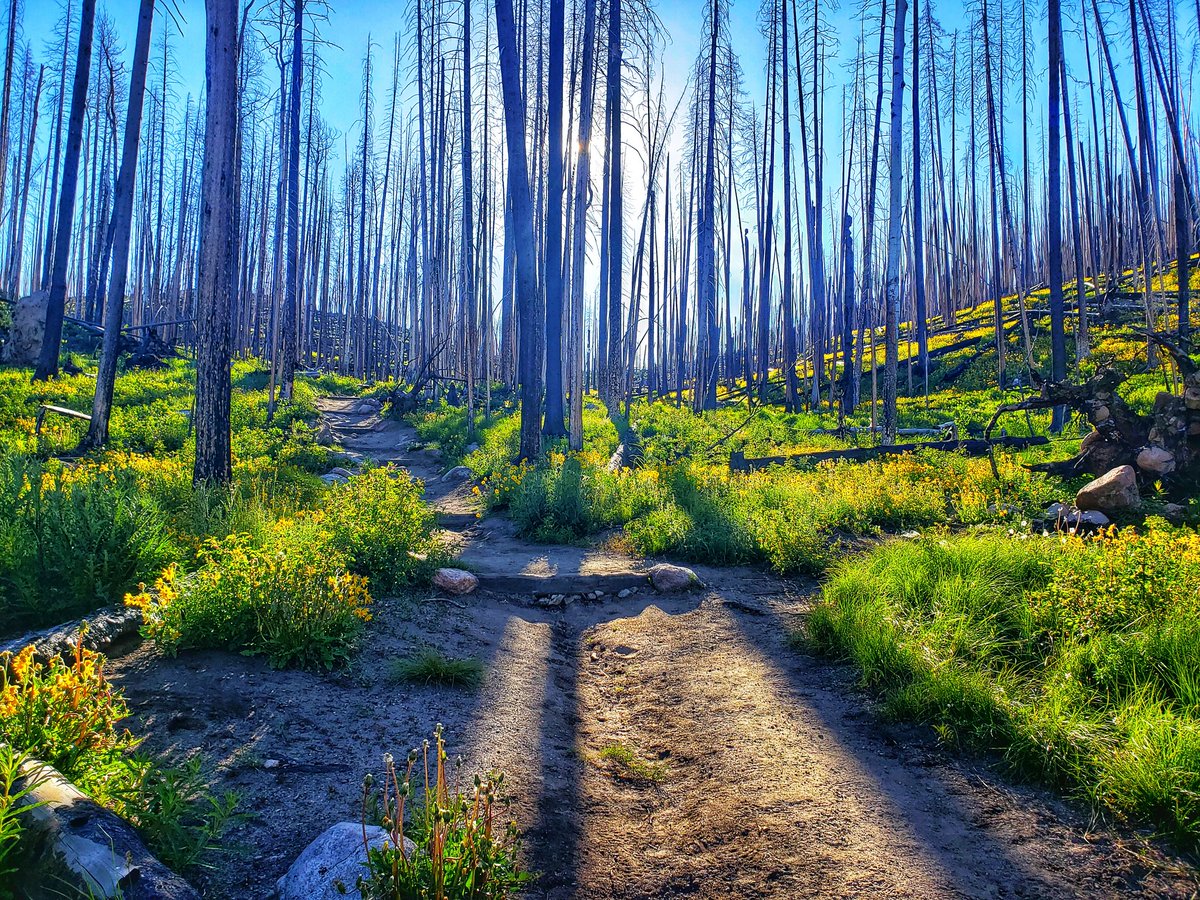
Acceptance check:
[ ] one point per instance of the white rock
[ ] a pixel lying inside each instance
(337, 857)
(667, 578)
(458, 473)
(455, 581)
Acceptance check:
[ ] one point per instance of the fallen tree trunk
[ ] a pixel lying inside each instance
(972, 447)
(71, 846)
(1164, 445)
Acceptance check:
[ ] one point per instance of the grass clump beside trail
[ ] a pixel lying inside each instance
(64, 712)
(431, 667)
(1077, 659)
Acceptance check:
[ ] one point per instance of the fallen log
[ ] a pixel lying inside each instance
(972, 447)
(58, 411)
(71, 846)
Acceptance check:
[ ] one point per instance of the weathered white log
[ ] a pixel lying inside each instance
(72, 846)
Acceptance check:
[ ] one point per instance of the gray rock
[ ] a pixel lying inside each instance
(332, 478)
(337, 857)
(667, 578)
(455, 581)
(325, 434)
(1115, 490)
(339, 470)
(625, 592)
(368, 407)
(1174, 513)
(1157, 461)
(458, 473)
(471, 448)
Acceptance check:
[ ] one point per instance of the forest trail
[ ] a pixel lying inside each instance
(656, 746)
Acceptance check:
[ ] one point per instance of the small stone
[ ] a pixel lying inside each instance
(455, 581)
(667, 578)
(1191, 398)
(1157, 461)
(625, 592)
(1116, 489)
(591, 595)
(599, 594)
(332, 478)
(270, 764)
(1174, 513)
(471, 448)
(339, 470)
(911, 535)
(1100, 415)
(458, 473)
(1091, 518)
(334, 859)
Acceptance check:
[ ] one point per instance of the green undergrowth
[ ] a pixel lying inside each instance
(1075, 659)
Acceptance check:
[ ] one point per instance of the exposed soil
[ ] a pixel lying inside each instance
(736, 766)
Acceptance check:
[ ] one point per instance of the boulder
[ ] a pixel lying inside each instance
(458, 473)
(368, 407)
(339, 470)
(1115, 490)
(455, 581)
(325, 434)
(332, 478)
(330, 866)
(24, 343)
(668, 578)
(1158, 461)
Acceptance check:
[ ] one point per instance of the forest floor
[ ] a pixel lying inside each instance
(660, 745)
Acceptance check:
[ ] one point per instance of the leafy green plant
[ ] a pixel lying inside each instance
(173, 807)
(12, 810)
(461, 849)
(432, 667)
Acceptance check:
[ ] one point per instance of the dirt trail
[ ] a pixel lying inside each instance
(657, 746)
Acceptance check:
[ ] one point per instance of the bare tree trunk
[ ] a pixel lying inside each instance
(291, 303)
(122, 223)
(1058, 337)
(553, 426)
(528, 296)
(579, 224)
(47, 366)
(895, 214)
(218, 245)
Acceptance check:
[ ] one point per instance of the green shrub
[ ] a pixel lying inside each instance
(290, 598)
(379, 521)
(72, 539)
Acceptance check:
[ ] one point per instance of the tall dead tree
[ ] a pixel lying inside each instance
(47, 366)
(218, 245)
(895, 213)
(122, 226)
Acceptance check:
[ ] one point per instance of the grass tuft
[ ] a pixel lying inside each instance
(431, 667)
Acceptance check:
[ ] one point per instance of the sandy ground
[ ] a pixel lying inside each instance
(760, 772)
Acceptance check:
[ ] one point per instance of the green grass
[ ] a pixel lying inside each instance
(1076, 660)
(431, 667)
(628, 765)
